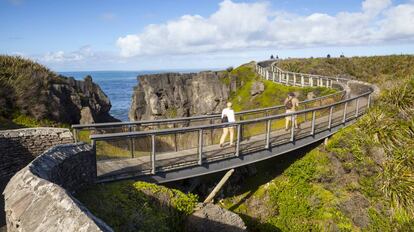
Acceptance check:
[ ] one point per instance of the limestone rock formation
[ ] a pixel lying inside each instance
(212, 218)
(74, 101)
(29, 88)
(179, 95)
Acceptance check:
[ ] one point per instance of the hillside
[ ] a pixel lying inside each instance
(362, 180)
(32, 95)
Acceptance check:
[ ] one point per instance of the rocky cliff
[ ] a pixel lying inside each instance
(28, 88)
(180, 95)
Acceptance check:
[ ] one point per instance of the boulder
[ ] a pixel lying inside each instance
(257, 88)
(213, 218)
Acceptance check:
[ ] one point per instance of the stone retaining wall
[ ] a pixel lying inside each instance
(38, 197)
(19, 147)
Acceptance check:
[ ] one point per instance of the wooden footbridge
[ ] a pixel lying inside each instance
(172, 149)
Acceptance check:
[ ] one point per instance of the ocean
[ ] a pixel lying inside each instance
(118, 86)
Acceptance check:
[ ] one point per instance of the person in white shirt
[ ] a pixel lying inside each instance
(227, 115)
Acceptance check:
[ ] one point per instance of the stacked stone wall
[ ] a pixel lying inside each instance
(38, 197)
(20, 147)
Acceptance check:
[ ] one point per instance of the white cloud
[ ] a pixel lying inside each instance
(240, 26)
(61, 56)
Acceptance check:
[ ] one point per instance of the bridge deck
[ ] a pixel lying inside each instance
(175, 160)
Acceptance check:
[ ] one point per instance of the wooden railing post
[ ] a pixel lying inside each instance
(131, 143)
(200, 146)
(345, 109)
(369, 101)
(268, 129)
(357, 108)
(175, 138)
(280, 76)
(75, 135)
(152, 154)
(313, 122)
(238, 140)
(292, 129)
(294, 79)
(330, 117)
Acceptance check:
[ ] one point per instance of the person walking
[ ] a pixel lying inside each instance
(227, 115)
(291, 103)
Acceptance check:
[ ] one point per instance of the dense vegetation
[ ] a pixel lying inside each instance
(32, 95)
(23, 100)
(363, 179)
(139, 206)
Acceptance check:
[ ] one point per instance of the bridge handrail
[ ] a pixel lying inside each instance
(219, 125)
(110, 124)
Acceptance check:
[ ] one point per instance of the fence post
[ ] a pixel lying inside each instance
(238, 140)
(313, 122)
(369, 101)
(292, 129)
(357, 108)
(330, 117)
(75, 135)
(175, 138)
(131, 143)
(345, 109)
(152, 154)
(294, 79)
(200, 146)
(280, 76)
(268, 129)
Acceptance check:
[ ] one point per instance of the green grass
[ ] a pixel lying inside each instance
(377, 156)
(138, 206)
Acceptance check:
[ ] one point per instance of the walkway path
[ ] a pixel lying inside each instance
(204, 158)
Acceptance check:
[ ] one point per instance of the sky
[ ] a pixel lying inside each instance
(88, 35)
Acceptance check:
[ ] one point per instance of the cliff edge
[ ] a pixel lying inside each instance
(30, 89)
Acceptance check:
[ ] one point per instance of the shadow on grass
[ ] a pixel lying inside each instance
(244, 182)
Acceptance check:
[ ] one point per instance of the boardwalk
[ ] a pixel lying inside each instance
(205, 158)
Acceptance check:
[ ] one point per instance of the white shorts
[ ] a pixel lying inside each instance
(289, 117)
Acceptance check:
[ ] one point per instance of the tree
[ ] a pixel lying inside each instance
(328, 56)
(272, 57)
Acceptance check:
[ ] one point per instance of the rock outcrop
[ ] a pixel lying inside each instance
(211, 218)
(179, 95)
(31, 89)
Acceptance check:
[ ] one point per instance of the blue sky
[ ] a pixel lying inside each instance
(183, 34)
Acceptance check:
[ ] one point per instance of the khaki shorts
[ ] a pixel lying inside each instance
(289, 117)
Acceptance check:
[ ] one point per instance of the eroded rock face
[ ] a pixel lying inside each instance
(179, 95)
(213, 218)
(73, 101)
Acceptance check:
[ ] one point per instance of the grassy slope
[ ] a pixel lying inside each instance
(363, 179)
(139, 206)
(274, 94)
(22, 84)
